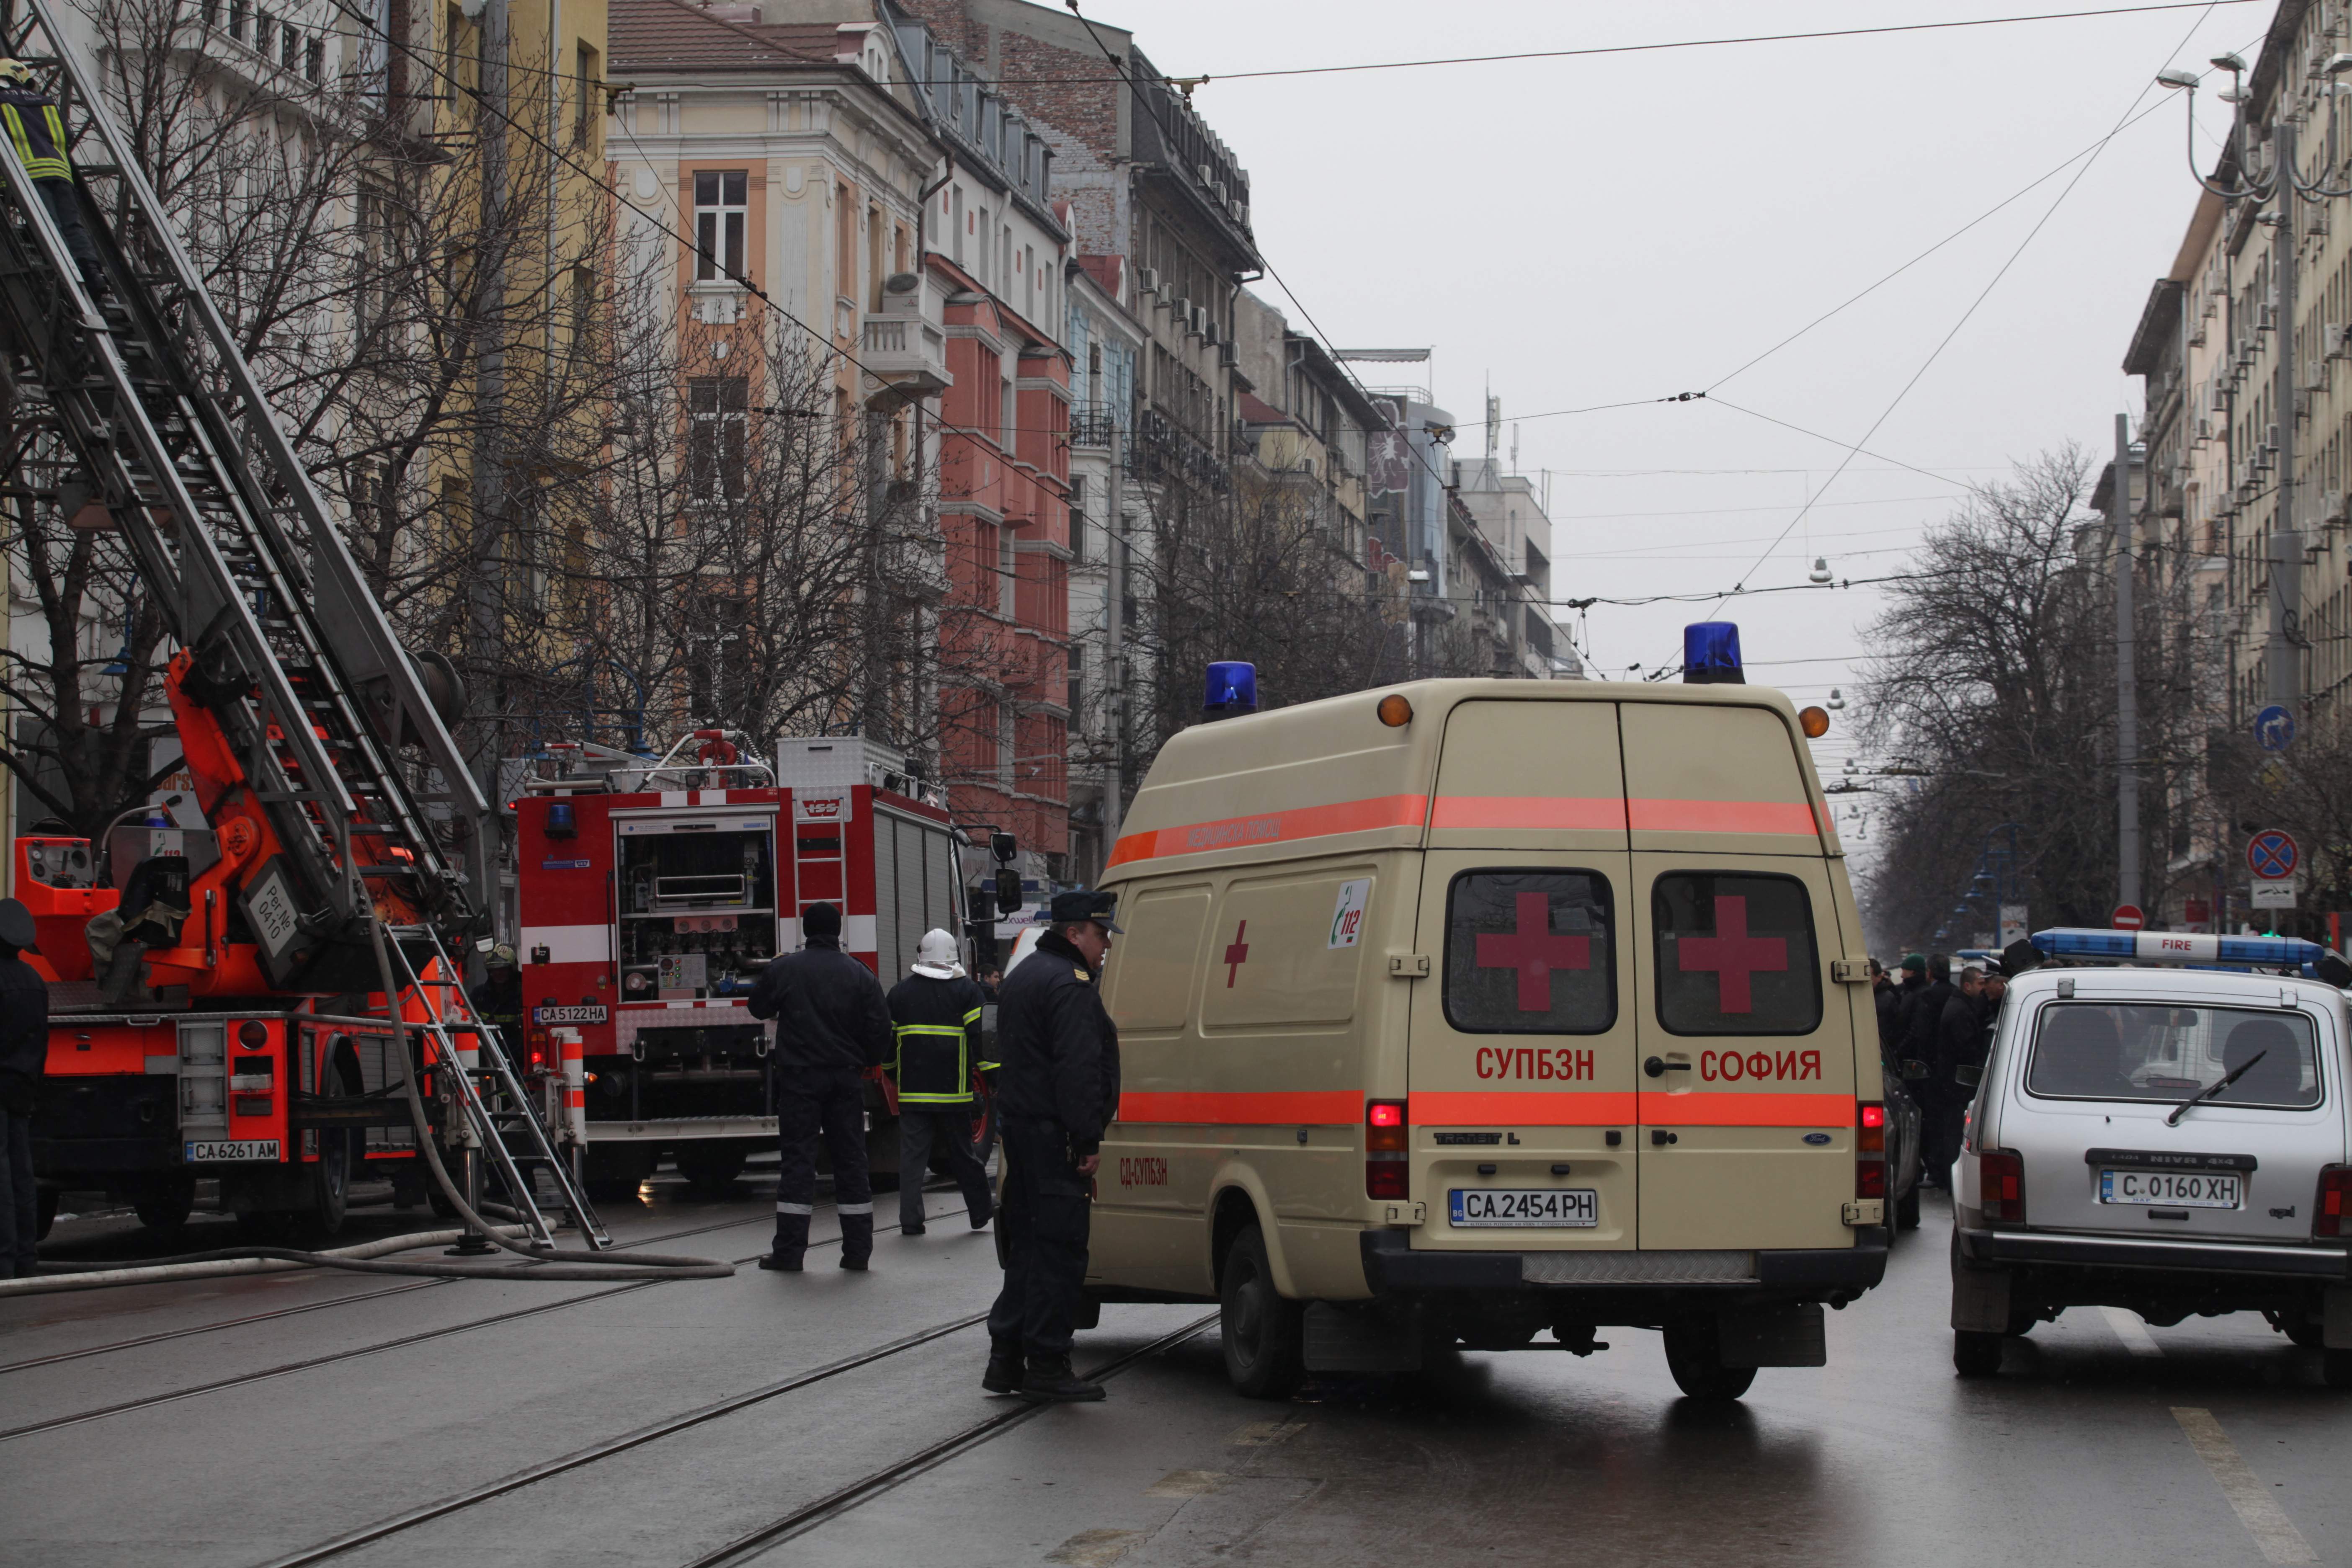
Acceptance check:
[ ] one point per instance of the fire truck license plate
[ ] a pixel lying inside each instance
(2180, 1189)
(1568, 1207)
(233, 1149)
(584, 1014)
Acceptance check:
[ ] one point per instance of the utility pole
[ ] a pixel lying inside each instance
(2119, 514)
(2286, 665)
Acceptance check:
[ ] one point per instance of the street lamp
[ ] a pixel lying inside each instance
(1837, 701)
(1821, 572)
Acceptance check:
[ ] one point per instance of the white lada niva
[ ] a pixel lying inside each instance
(2172, 1140)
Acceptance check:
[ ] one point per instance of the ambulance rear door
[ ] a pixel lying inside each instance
(1746, 1083)
(1522, 1040)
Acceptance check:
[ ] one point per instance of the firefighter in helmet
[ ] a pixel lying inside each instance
(935, 1014)
(38, 134)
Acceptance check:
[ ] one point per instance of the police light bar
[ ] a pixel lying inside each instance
(2176, 947)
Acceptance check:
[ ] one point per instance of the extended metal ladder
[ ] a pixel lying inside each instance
(151, 400)
(142, 390)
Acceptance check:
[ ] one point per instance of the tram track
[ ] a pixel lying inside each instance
(382, 1346)
(777, 1531)
(374, 1295)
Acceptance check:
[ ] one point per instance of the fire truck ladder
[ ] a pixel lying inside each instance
(142, 390)
(147, 399)
(498, 1111)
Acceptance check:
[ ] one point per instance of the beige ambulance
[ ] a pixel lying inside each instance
(1470, 1011)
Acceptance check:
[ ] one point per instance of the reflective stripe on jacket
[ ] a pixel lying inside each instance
(937, 1026)
(39, 140)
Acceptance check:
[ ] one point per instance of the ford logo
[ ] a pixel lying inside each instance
(1817, 1139)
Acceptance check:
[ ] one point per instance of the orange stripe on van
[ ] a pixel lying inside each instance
(1274, 827)
(1606, 814)
(1276, 1109)
(1556, 1108)
(1723, 817)
(1721, 1109)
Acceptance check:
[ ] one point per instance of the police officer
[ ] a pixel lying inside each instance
(1057, 1089)
(38, 135)
(832, 1023)
(935, 1015)
(24, 1057)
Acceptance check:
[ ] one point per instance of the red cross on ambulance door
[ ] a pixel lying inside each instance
(1746, 1137)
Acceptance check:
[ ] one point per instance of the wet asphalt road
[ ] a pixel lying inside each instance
(2103, 1441)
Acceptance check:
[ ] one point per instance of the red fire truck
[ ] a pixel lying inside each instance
(653, 890)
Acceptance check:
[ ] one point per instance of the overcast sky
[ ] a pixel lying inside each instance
(1631, 227)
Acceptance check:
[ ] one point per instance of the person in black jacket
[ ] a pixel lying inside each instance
(832, 1025)
(1057, 1089)
(935, 1015)
(1923, 1010)
(23, 1057)
(1959, 1041)
(1889, 1004)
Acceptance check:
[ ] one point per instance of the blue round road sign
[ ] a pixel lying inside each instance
(2272, 855)
(2274, 729)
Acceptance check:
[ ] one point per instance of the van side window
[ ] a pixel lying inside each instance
(1734, 955)
(1527, 953)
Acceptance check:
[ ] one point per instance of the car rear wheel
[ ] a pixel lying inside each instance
(164, 1206)
(1694, 1356)
(1976, 1354)
(1262, 1332)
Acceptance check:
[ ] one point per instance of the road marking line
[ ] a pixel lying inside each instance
(2258, 1511)
(1185, 1484)
(1265, 1434)
(1095, 1548)
(2131, 1331)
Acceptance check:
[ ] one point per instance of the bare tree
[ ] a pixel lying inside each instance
(1995, 688)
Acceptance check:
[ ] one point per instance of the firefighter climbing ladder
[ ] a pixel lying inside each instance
(146, 399)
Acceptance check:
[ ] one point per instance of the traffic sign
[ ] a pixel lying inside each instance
(2127, 917)
(2274, 729)
(2272, 855)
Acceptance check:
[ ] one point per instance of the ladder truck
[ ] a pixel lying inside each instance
(240, 1028)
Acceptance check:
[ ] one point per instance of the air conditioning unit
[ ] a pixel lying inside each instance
(2315, 375)
(1210, 332)
(2197, 337)
(2204, 428)
(1226, 355)
(1198, 319)
(2331, 505)
(2264, 319)
(2220, 396)
(1147, 280)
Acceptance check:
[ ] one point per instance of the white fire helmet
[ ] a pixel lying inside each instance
(935, 957)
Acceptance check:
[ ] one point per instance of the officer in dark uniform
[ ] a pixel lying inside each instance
(39, 134)
(23, 1057)
(1057, 1089)
(935, 1014)
(832, 1025)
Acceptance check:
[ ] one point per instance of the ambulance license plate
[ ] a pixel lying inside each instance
(1554, 1208)
(2174, 1189)
(200, 1154)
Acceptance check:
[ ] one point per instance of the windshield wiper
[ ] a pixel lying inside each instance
(2202, 1095)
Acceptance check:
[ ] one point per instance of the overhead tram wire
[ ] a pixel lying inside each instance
(1974, 305)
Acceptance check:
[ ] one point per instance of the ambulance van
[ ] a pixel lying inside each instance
(1468, 1011)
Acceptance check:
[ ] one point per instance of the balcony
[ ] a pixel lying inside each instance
(905, 359)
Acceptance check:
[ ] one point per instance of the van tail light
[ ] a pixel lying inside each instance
(2001, 1173)
(2335, 1197)
(1387, 1170)
(1870, 1151)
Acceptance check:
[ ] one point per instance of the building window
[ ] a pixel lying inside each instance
(314, 60)
(289, 46)
(1079, 519)
(717, 420)
(719, 216)
(591, 110)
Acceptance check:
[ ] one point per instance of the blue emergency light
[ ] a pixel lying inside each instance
(1711, 655)
(2177, 947)
(1232, 690)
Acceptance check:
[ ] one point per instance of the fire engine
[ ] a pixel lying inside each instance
(653, 890)
(219, 992)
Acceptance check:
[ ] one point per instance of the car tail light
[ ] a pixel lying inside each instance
(1386, 1171)
(1870, 1151)
(2335, 1197)
(2001, 1173)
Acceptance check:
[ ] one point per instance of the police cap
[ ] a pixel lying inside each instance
(16, 925)
(1087, 905)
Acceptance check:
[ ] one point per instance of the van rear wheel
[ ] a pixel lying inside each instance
(1976, 1354)
(1694, 1355)
(2336, 1366)
(1262, 1332)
